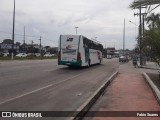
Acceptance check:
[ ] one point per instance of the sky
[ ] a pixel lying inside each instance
(102, 20)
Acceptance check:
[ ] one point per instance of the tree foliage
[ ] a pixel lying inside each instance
(151, 40)
(7, 41)
(153, 21)
(138, 3)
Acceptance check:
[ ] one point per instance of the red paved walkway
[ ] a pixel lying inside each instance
(128, 92)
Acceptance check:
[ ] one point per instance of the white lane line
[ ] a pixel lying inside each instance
(17, 97)
(25, 94)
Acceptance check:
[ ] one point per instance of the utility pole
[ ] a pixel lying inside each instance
(140, 31)
(140, 34)
(143, 21)
(12, 56)
(105, 49)
(124, 37)
(40, 42)
(76, 30)
(32, 45)
(40, 47)
(24, 39)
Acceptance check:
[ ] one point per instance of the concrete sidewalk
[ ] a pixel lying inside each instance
(128, 92)
(150, 65)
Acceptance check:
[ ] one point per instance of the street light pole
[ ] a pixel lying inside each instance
(135, 29)
(12, 56)
(133, 23)
(76, 30)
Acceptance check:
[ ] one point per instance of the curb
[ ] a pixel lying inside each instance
(153, 87)
(148, 68)
(82, 110)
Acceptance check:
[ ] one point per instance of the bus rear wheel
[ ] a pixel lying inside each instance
(100, 61)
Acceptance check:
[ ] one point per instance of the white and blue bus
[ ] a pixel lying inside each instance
(77, 50)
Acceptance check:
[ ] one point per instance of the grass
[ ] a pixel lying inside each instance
(26, 58)
(155, 78)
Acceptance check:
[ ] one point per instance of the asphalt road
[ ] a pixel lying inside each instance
(42, 85)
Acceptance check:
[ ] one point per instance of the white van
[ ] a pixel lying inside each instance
(109, 56)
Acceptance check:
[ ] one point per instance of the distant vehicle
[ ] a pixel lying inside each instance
(47, 55)
(21, 55)
(37, 54)
(5, 54)
(77, 50)
(53, 55)
(109, 56)
(30, 54)
(123, 59)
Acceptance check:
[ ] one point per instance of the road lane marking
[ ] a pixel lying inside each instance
(20, 96)
(92, 99)
(25, 94)
(14, 98)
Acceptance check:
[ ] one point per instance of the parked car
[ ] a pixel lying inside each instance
(122, 59)
(47, 55)
(53, 55)
(30, 54)
(5, 54)
(21, 55)
(37, 54)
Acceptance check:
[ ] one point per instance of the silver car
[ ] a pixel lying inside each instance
(122, 59)
(21, 55)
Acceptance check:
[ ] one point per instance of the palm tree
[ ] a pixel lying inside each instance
(153, 21)
(138, 3)
(152, 36)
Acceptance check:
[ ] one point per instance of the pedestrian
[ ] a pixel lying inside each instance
(134, 61)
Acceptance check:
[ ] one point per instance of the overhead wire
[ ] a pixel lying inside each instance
(21, 35)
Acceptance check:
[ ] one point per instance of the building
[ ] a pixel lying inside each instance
(111, 51)
(7, 48)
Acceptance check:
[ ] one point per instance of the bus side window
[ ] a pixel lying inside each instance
(85, 43)
(85, 46)
(89, 43)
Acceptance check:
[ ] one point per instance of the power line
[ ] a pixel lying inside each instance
(27, 36)
(50, 40)
(19, 34)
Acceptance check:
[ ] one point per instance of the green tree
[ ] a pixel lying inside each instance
(7, 41)
(151, 41)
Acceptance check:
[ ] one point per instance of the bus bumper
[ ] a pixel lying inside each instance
(70, 63)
